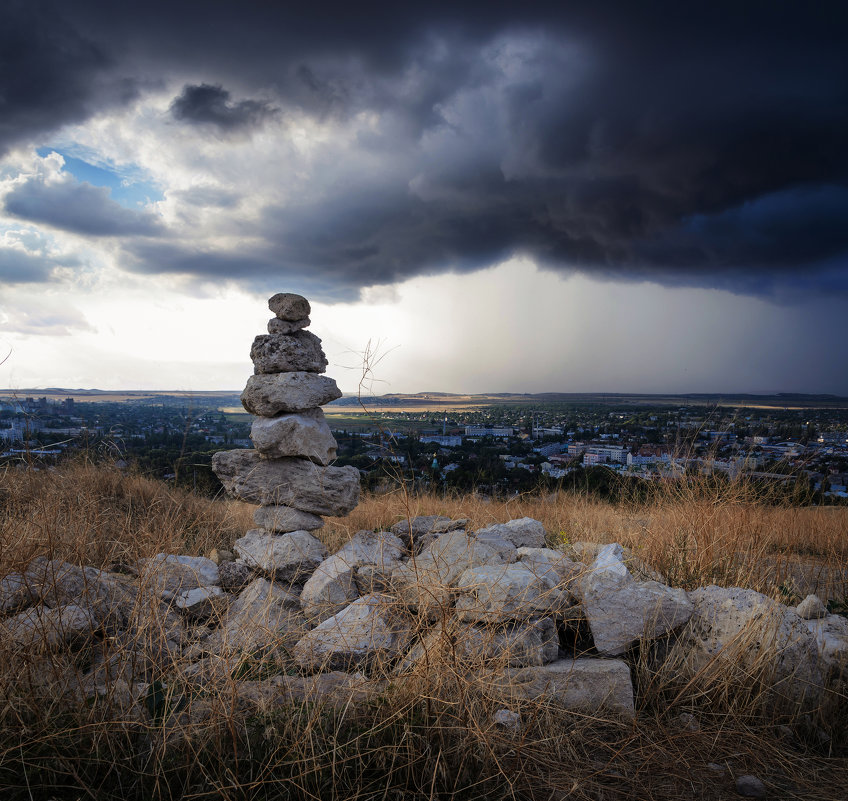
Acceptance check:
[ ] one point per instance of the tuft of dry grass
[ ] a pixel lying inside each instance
(98, 515)
(429, 734)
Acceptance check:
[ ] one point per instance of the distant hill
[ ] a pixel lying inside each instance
(448, 400)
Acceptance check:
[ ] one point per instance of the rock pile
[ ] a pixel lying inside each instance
(431, 598)
(289, 472)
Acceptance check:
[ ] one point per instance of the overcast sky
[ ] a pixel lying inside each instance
(606, 196)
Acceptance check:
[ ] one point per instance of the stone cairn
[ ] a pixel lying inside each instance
(288, 473)
(526, 621)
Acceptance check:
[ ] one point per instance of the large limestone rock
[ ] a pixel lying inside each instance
(43, 628)
(170, 575)
(288, 306)
(289, 557)
(282, 519)
(329, 589)
(264, 617)
(554, 564)
(380, 548)
(304, 434)
(428, 581)
(270, 395)
(15, 593)
(522, 533)
(288, 482)
(111, 597)
(831, 633)
(372, 629)
(621, 611)
(745, 635)
(506, 550)
(497, 593)
(586, 685)
(284, 353)
(56, 582)
(523, 644)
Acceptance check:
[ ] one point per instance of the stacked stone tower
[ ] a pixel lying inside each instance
(289, 472)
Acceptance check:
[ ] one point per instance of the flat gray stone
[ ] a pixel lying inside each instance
(497, 593)
(289, 558)
(288, 306)
(587, 685)
(381, 548)
(297, 483)
(270, 395)
(524, 532)
(336, 689)
(372, 629)
(202, 603)
(57, 583)
(303, 434)
(169, 575)
(284, 353)
(282, 519)
(278, 326)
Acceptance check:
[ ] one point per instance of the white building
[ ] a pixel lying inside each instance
(445, 440)
(482, 431)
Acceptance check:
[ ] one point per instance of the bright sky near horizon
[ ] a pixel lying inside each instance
(642, 198)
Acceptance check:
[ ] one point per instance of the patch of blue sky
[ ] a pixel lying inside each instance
(128, 184)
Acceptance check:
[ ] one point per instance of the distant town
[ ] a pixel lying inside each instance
(497, 445)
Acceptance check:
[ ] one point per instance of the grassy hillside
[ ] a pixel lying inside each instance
(429, 736)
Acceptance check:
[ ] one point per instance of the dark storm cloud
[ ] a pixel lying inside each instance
(79, 208)
(210, 105)
(698, 144)
(19, 267)
(51, 73)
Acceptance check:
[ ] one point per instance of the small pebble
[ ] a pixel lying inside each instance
(687, 721)
(505, 719)
(750, 787)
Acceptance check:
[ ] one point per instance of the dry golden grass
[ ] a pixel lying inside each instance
(429, 736)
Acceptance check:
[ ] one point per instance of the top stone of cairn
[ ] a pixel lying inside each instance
(288, 306)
